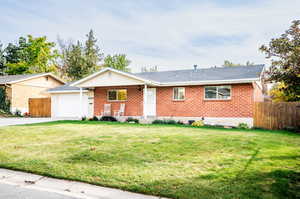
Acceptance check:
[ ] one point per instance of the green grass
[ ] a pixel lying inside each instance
(170, 160)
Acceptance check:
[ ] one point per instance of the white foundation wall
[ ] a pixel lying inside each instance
(225, 121)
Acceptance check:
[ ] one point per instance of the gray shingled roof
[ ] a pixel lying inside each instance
(204, 74)
(201, 74)
(65, 87)
(6, 79)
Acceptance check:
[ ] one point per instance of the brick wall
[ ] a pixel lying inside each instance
(194, 105)
(133, 104)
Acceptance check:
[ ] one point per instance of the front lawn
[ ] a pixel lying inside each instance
(171, 161)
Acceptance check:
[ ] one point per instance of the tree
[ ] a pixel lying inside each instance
(15, 56)
(284, 53)
(4, 101)
(31, 55)
(75, 65)
(118, 61)
(228, 63)
(150, 69)
(78, 60)
(92, 53)
(2, 60)
(277, 93)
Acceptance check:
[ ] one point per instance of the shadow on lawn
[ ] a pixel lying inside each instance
(110, 158)
(259, 185)
(246, 184)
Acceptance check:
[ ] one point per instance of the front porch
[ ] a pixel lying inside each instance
(115, 89)
(137, 101)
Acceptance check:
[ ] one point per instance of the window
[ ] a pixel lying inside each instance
(117, 95)
(218, 92)
(178, 93)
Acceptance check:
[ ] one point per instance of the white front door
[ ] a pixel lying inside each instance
(150, 106)
(91, 106)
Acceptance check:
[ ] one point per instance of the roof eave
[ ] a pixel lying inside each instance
(67, 91)
(146, 81)
(36, 76)
(212, 82)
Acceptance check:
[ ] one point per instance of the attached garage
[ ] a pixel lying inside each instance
(67, 103)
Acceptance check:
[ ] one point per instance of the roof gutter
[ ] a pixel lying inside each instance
(67, 91)
(212, 82)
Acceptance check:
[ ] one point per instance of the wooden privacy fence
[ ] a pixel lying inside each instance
(40, 107)
(279, 115)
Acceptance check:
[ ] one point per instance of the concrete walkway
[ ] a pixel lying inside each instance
(20, 120)
(8, 191)
(36, 185)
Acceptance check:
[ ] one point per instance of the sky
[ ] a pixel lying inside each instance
(170, 34)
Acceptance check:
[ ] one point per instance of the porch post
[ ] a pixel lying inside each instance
(80, 102)
(145, 101)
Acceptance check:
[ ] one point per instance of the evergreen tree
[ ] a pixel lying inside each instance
(92, 53)
(78, 60)
(2, 60)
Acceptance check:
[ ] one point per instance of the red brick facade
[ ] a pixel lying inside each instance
(194, 105)
(133, 104)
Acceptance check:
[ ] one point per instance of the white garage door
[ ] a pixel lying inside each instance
(68, 105)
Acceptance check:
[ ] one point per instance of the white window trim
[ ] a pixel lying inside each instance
(217, 94)
(117, 95)
(174, 95)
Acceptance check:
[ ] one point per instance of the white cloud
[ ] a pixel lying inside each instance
(159, 36)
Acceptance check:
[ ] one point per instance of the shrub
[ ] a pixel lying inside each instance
(95, 118)
(108, 119)
(132, 120)
(18, 113)
(198, 123)
(180, 122)
(191, 122)
(157, 122)
(243, 126)
(164, 122)
(83, 118)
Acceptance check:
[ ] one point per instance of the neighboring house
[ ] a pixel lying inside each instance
(223, 95)
(19, 88)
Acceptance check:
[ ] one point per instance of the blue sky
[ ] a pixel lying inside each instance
(172, 34)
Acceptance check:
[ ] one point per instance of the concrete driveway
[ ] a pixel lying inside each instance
(16, 121)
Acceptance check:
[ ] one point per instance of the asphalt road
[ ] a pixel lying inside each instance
(16, 192)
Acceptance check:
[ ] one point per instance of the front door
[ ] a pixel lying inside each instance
(150, 106)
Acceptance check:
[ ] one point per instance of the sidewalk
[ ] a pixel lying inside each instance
(69, 188)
